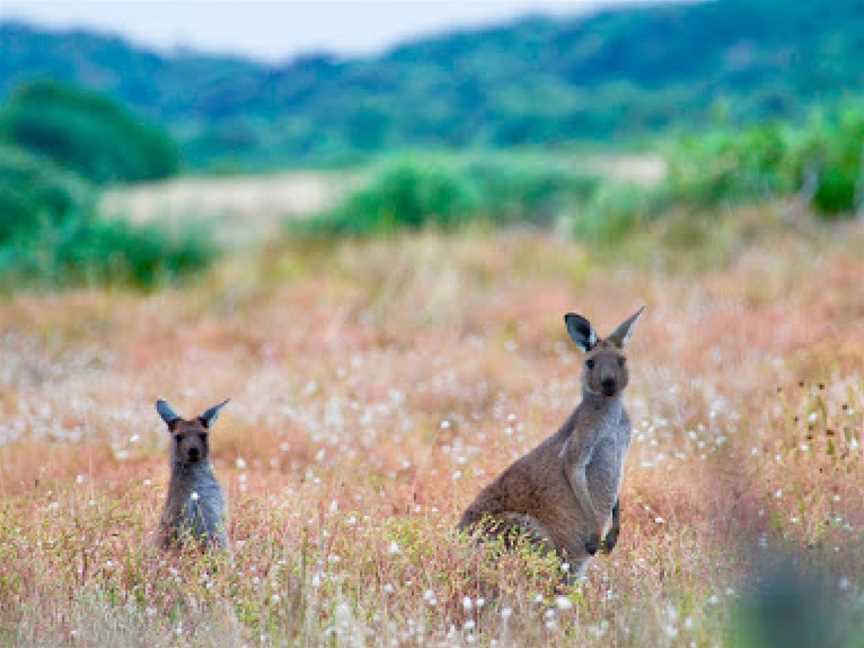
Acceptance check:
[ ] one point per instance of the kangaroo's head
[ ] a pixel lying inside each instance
(605, 370)
(191, 437)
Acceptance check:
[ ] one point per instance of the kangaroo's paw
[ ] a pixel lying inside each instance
(610, 541)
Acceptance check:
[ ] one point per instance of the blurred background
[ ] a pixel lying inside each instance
(142, 139)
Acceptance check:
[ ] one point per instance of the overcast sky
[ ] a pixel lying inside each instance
(276, 30)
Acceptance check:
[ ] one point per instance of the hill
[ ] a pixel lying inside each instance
(538, 80)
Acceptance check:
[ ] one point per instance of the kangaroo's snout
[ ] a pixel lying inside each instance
(194, 454)
(608, 386)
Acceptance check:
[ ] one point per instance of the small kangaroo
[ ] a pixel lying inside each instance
(195, 508)
(563, 493)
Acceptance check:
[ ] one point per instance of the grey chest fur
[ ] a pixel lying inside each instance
(605, 466)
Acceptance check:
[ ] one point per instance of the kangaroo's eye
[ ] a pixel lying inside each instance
(621, 361)
(178, 438)
(589, 363)
(203, 437)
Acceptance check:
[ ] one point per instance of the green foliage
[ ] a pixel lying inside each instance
(91, 251)
(35, 194)
(834, 151)
(523, 190)
(406, 195)
(724, 167)
(50, 234)
(414, 193)
(612, 212)
(87, 133)
(822, 162)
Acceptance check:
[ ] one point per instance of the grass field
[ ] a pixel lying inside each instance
(377, 386)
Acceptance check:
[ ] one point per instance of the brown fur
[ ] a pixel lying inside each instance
(563, 493)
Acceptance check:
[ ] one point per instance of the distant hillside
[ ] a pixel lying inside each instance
(538, 80)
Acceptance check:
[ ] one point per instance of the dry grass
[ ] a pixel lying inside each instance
(239, 209)
(375, 388)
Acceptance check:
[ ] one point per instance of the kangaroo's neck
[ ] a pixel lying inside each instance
(188, 475)
(594, 407)
(600, 404)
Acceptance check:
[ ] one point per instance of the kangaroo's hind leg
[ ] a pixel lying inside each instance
(611, 538)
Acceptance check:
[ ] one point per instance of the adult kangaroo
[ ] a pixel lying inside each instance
(564, 493)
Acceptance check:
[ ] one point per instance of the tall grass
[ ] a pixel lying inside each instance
(378, 390)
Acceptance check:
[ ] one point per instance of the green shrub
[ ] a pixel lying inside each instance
(769, 161)
(613, 211)
(725, 168)
(87, 133)
(50, 234)
(34, 194)
(414, 193)
(834, 151)
(98, 252)
(527, 191)
(407, 195)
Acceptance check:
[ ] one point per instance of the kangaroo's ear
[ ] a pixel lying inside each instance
(209, 417)
(168, 415)
(624, 332)
(581, 331)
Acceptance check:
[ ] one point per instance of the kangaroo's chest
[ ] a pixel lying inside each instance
(604, 469)
(202, 512)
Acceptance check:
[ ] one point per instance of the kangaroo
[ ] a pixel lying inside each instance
(195, 508)
(563, 493)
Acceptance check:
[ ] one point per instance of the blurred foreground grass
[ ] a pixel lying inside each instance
(377, 385)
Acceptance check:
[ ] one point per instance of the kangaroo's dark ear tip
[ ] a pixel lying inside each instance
(574, 316)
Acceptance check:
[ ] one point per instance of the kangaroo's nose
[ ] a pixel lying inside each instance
(193, 453)
(608, 386)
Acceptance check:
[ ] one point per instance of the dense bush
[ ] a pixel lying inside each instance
(87, 133)
(612, 211)
(721, 168)
(35, 194)
(413, 193)
(822, 162)
(50, 234)
(407, 195)
(85, 251)
(515, 189)
(834, 153)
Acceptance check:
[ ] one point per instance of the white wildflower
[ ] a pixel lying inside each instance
(563, 603)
